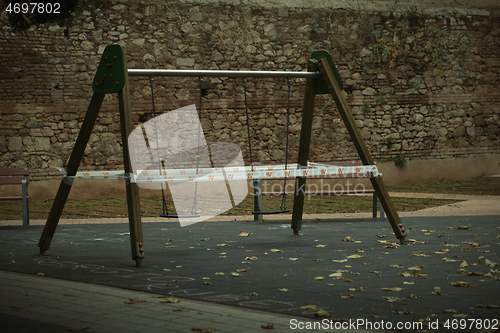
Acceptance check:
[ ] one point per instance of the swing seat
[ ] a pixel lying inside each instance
(270, 212)
(175, 216)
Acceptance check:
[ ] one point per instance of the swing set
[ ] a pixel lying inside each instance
(112, 77)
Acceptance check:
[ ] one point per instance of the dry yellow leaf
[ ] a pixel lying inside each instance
(405, 274)
(241, 270)
(463, 227)
(414, 296)
(251, 258)
(346, 296)
(243, 234)
(330, 284)
(318, 260)
(293, 259)
(392, 299)
(347, 239)
(219, 273)
(206, 283)
(235, 274)
(275, 250)
(397, 266)
(335, 275)
(322, 314)
(459, 284)
(341, 260)
(347, 266)
(268, 326)
(308, 307)
(406, 282)
(392, 289)
(222, 244)
(320, 245)
(319, 278)
(283, 289)
(449, 311)
(169, 299)
(354, 256)
(205, 239)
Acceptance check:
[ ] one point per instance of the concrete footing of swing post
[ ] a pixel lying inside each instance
(138, 262)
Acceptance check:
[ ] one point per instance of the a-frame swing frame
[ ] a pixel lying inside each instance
(112, 77)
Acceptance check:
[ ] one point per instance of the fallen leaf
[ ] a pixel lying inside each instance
(206, 283)
(449, 260)
(219, 273)
(347, 239)
(166, 269)
(449, 311)
(355, 289)
(205, 278)
(134, 301)
(381, 236)
(346, 296)
(222, 244)
(341, 260)
(392, 289)
(392, 299)
(293, 259)
(397, 266)
(354, 256)
(40, 274)
(319, 278)
(203, 330)
(406, 282)
(234, 274)
(347, 266)
(437, 291)
(414, 296)
(251, 258)
(490, 263)
(405, 274)
(463, 227)
(321, 313)
(404, 312)
(268, 327)
(178, 310)
(330, 284)
(242, 270)
(243, 234)
(459, 284)
(490, 306)
(275, 250)
(473, 244)
(283, 289)
(170, 299)
(320, 245)
(474, 274)
(375, 272)
(459, 315)
(335, 274)
(308, 307)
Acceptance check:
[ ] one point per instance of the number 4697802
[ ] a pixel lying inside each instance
(33, 7)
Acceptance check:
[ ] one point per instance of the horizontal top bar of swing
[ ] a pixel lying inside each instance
(219, 73)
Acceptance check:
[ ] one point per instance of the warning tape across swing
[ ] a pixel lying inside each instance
(228, 173)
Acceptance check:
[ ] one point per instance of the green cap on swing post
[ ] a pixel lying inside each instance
(321, 87)
(110, 74)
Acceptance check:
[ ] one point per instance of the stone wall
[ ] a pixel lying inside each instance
(422, 84)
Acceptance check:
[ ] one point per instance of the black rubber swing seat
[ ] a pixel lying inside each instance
(269, 212)
(179, 216)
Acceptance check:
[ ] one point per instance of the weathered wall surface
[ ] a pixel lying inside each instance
(423, 81)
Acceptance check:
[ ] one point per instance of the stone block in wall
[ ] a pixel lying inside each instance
(15, 144)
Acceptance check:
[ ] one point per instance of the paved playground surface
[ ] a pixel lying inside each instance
(246, 274)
